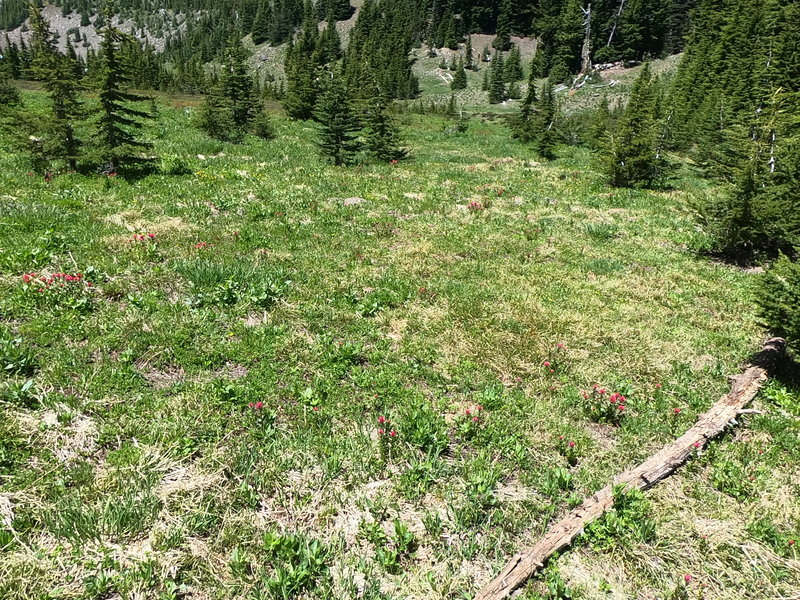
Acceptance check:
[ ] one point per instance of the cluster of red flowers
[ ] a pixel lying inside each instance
(202, 245)
(384, 427)
(477, 416)
(141, 237)
(56, 280)
(604, 406)
(475, 206)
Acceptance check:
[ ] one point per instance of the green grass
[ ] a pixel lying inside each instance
(203, 420)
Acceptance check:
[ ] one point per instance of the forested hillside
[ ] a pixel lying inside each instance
(188, 33)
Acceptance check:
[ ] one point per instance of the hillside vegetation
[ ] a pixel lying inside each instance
(205, 418)
(318, 300)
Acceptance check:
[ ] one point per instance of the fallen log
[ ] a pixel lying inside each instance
(659, 466)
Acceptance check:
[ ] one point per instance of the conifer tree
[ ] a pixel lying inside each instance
(460, 78)
(237, 86)
(502, 40)
(215, 116)
(9, 95)
(301, 86)
(485, 81)
(261, 24)
(513, 67)
(57, 74)
(119, 122)
(600, 125)
(339, 125)
(381, 134)
(544, 122)
(632, 160)
(497, 83)
(469, 61)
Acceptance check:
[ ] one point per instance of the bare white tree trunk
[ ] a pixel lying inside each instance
(616, 21)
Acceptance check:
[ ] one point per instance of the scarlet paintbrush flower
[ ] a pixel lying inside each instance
(393, 433)
(381, 419)
(572, 444)
(687, 578)
(676, 411)
(380, 431)
(546, 363)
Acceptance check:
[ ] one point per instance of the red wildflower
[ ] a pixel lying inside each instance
(380, 431)
(572, 444)
(381, 419)
(546, 363)
(393, 433)
(475, 419)
(677, 411)
(687, 578)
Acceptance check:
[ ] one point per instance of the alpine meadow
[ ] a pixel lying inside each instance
(399, 299)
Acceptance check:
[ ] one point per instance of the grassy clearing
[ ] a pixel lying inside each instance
(203, 420)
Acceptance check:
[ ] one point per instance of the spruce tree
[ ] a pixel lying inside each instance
(485, 81)
(513, 67)
(237, 85)
(215, 116)
(57, 74)
(301, 86)
(502, 40)
(339, 125)
(469, 62)
(460, 78)
(9, 95)
(260, 31)
(497, 83)
(600, 125)
(544, 122)
(632, 160)
(381, 134)
(118, 122)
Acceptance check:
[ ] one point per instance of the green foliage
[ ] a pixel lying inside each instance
(381, 134)
(497, 80)
(460, 78)
(216, 284)
(778, 298)
(299, 565)
(118, 122)
(339, 125)
(632, 156)
(424, 429)
(16, 357)
(628, 521)
(9, 95)
(57, 73)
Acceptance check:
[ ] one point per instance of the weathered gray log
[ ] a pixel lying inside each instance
(660, 465)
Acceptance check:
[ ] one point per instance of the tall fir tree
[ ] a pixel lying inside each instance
(260, 31)
(57, 74)
(237, 85)
(339, 124)
(513, 67)
(381, 134)
(497, 80)
(544, 122)
(502, 40)
(118, 122)
(469, 58)
(460, 78)
(631, 156)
